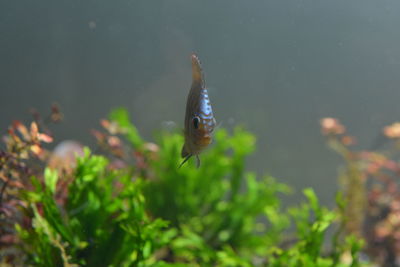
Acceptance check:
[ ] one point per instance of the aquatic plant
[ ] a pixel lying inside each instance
(370, 188)
(129, 204)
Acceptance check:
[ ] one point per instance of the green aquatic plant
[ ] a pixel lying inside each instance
(102, 223)
(312, 222)
(216, 209)
(130, 205)
(351, 178)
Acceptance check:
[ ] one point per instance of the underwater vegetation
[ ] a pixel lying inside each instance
(369, 182)
(126, 203)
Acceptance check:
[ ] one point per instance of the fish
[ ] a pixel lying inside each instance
(199, 118)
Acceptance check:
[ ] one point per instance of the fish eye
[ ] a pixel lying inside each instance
(196, 121)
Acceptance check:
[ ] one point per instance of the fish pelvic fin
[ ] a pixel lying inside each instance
(185, 154)
(186, 159)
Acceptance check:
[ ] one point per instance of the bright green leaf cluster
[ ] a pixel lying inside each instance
(161, 215)
(103, 222)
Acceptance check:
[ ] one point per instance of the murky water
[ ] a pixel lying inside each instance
(276, 67)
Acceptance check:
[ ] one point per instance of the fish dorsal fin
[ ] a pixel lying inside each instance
(197, 73)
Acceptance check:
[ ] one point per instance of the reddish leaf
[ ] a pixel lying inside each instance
(45, 138)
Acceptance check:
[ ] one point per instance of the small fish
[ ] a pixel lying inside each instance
(199, 118)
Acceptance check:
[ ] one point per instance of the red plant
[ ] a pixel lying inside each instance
(23, 156)
(371, 177)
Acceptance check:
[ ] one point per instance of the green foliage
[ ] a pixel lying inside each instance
(153, 213)
(311, 221)
(121, 116)
(103, 222)
(218, 206)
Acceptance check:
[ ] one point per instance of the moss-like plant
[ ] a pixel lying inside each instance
(130, 205)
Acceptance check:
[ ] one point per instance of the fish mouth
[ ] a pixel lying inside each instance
(204, 140)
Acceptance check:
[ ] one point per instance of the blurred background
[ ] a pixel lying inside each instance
(275, 66)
